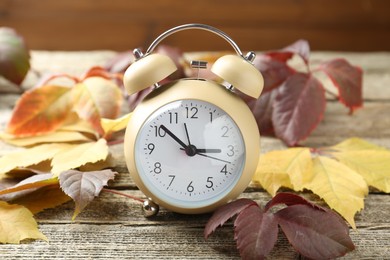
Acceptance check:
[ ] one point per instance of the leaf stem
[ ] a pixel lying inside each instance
(119, 141)
(123, 194)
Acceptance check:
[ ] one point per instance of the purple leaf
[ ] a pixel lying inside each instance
(298, 107)
(348, 80)
(120, 62)
(314, 233)
(274, 71)
(256, 232)
(262, 110)
(290, 199)
(224, 213)
(14, 56)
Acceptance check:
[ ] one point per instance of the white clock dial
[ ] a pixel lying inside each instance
(189, 153)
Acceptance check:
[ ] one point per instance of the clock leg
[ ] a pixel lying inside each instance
(150, 208)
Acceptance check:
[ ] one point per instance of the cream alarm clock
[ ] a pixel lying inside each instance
(192, 144)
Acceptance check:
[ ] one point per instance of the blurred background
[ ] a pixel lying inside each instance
(346, 25)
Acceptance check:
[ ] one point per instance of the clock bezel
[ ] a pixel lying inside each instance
(208, 91)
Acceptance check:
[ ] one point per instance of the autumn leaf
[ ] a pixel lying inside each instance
(319, 236)
(256, 232)
(17, 224)
(95, 98)
(372, 162)
(347, 79)
(44, 198)
(28, 185)
(28, 157)
(83, 187)
(298, 107)
(14, 58)
(115, 125)
(55, 137)
(291, 168)
(313, 231)
(40, 110)
(80, 154)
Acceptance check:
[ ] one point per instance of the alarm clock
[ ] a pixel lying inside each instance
(192, 144)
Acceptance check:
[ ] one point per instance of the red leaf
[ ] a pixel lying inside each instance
(274, 71)
(298, 107)
(262, 110)
(224, 213)
(290, 199)
(348, 80)
(300, 47)
(313, 233)
(256, 232)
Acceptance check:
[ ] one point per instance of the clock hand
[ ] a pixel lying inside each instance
(188, 137)
(208, 150)
(211, 157)
(174, 136)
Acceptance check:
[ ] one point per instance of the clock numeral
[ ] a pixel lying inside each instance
(225, 130)
(159, 132)
(173, 118)
(157, 168)
(172, 178)
(211, 117)
(190, 188)
(210, 183)
(193, 111)
(224, 169)
(151, 147)
(231, 151)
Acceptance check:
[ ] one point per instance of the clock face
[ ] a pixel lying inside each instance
(189, 153)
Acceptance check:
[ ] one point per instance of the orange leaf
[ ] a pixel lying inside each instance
(95, 98)
(40, 110)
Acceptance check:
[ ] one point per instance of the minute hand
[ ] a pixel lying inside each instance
(174, 136)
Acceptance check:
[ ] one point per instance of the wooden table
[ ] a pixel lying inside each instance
(114, 227)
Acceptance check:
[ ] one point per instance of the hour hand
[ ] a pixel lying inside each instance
(174, 137)
(208, 150)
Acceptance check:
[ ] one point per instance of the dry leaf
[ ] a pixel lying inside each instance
(290, 168)
(40, 110)
(55, 137)
(95, 98)
(78, 155)
(17, 224)
(28, 185)
(83, 187)
(115, 125)
(27, 157)
(43, 198)
(370, 161)
(340, 187)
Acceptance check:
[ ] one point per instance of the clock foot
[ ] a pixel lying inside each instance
(150, 208)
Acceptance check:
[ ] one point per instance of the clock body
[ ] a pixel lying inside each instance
(192, 145)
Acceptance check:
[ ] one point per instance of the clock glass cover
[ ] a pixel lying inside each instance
(189, 153)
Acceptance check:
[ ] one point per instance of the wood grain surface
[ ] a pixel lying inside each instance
(113, 227)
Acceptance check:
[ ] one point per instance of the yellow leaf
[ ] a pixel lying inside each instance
(115, 125)
(17, 223)
(290, 168)
(78, 155)
(367, 159)
(55, 137)
(33, 182)
(355, 143)
(44, 198)
(340, 187)
(27, 157)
